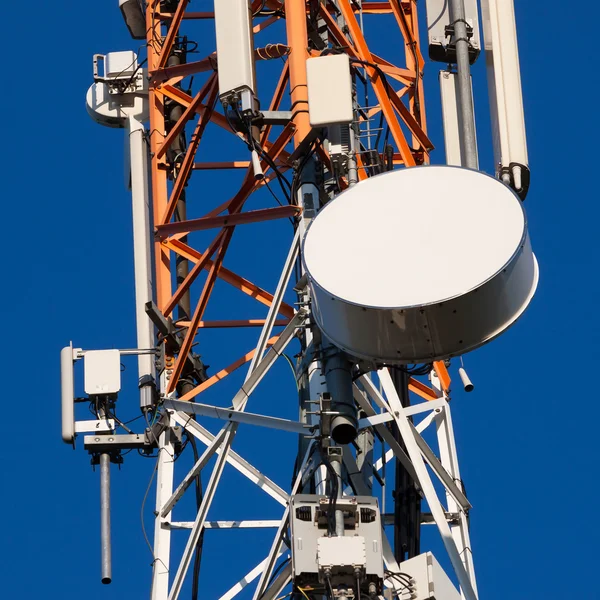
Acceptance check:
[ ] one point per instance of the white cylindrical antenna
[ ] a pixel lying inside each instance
(258, 172)
(138, 161)
(67, 393)
(467, 383)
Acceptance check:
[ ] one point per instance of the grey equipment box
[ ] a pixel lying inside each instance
(438, 18)
(314, 554)
(429, 580)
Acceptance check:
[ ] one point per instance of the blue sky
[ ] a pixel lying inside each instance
(528, 458)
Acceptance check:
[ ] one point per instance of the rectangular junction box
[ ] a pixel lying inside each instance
(120, 65)
(329, 90)
(429, 580)
(102, 372)
(341, 555)
(314, 552)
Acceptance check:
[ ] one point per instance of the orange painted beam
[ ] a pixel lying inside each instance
(188, 113)
(297, 37)
(209, 284)
(226, 324)
(414, 385)
(158, 172)
(188, 160)
(192, 275)
(242, 284)
(224, 372)
(241, 218)
(167, 46)
(379, 87)
(443, 375)
(235, 164)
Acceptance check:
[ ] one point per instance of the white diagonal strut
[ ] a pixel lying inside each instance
(278, 540)
(437, 510)
(239, 402)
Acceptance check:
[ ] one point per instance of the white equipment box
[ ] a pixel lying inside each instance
(235, 48)
(329, 90)
(102, 372)
(430, 582)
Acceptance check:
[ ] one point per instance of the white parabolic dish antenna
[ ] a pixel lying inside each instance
(419, 264)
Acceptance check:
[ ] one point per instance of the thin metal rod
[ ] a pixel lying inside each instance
(105, 518)
(284, 279)
(465, 95)
(339, 514)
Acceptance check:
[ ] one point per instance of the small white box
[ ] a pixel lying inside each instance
(429, 580)
(329, 90)
(102, 372)
(343, 551)
(120, 64)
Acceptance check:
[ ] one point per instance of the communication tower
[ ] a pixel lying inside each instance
(390, 269)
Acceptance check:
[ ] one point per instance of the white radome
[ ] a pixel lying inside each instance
(419, 264)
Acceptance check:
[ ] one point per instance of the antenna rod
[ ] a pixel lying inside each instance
(105, 517)
(465, 94)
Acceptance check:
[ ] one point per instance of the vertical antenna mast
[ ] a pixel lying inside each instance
(332, 151)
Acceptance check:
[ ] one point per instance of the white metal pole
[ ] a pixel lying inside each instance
(162, 534)
(449, 459)
(138, 159)
(105, 517)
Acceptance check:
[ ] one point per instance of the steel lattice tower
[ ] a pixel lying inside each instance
(268, 149)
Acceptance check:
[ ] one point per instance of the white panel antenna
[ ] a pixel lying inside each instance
(506, 96)
(235, 51)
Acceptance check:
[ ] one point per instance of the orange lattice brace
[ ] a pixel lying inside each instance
(215, 117)
(242, 284)
(224, 372)
(192, 275)
(297, 38)
(209, 284)
(231, 164)
(188, 160)
(171, 34)
(439, 367)
(414, 385)
(188, 113)
(162, 279)
(240, 218)
(225, 324)
(362, 52)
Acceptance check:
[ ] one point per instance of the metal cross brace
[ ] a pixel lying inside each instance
(408, 435)
(234, 459)
(237, 416)
(278, 541)
(255, 374)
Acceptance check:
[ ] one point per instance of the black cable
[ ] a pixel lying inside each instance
(277, 570)
(198, 551)
(112, 415)
(380, 128)
(328, 580)
(333, 492)
(254, 145)
(143, 506)
(300, 168)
